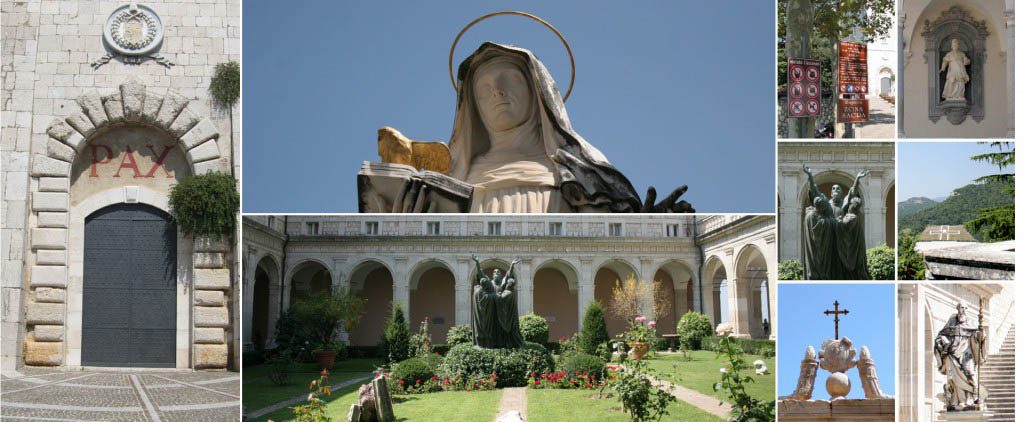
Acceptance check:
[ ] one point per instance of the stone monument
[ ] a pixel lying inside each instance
(512, 150)
(837, 355)
(960, 350)
(495, 309)
(834, 247)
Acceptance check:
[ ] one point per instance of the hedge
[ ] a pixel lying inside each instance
(746, 345)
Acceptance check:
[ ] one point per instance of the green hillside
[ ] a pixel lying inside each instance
(962, 206)
(915, 204)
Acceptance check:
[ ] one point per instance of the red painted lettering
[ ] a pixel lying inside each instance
(158, 161)
(96, 160)
(128, 162)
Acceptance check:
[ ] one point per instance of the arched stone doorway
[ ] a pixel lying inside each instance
(609, 275)
(885, 81)
(716, 291)
(555, 297)
(308, 279)
(372, 281)
(672, 290)
(265, 290)
(752, 278)
(432, 298)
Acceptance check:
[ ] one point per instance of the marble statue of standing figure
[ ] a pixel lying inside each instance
(959, 352)
(512, 140)
(834, 247)
(954, 63)
(496, 310)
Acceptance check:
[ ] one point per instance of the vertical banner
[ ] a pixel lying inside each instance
(804, 80)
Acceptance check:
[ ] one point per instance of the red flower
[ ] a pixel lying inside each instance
(494, 377)
(401, 382)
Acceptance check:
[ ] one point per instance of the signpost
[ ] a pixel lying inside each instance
(804, 97)
(852, 83)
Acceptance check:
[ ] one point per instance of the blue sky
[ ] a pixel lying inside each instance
(871, 322)
(934, 169)
(672, 92)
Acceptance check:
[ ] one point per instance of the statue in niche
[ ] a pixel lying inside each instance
(496, 310)
(959, 350)
(512, 150)
(834, 247)
(954, 63)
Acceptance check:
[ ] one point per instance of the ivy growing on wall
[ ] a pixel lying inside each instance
(225, 86)
(205, 205)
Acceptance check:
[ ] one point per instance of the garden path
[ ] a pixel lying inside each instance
(513, 399)
(704, 402)
(300, 398)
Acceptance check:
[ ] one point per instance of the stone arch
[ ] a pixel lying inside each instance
(715, 286)
(886, 78)
(373, 281)
(889, 199)
(673, 283)
(266, 291)
(307, 277)
(606, 276)
(751, 275)
(432, 297)
(556, 296)
(59, 225)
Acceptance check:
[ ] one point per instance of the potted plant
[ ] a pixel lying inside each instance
(639, 337)
(321, 315)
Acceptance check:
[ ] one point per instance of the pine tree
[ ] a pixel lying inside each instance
(595, 332)
(395, 343)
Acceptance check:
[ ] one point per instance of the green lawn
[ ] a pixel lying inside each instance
(258, 391)
(442, 406)
(701, 373)
(576, 405)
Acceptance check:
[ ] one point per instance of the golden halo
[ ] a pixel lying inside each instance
(572, 61)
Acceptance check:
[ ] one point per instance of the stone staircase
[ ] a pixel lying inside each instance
(997, 376)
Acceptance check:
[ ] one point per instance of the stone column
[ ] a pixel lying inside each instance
(1009, 43)
(901, 58)
(248, 284)
(586, 276)
(401, 285)
(463, 270)
(738, 308)
(908, 346)
(790, 214)
(212, 288)
(524, 288)
(646, 277)
(584, 295)
(874, 221)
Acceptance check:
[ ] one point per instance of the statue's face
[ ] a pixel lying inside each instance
(502, 95)
(836, 191)
(955, 44)
(497, 273)
(961, 312)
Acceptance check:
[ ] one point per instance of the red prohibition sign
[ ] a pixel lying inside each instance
(797, 90)
(812, 73)
(812, 107)
(798, 73)
(796, 108)
(812, 91)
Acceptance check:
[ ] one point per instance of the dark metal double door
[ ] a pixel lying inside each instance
(129, 296)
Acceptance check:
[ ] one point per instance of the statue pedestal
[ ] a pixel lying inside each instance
(965, 415)
(955, 111)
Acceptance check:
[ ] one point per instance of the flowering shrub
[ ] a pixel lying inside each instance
(575, 363)
(640, 331)
(641, 399)
(414, 375)
(419, 343)
(472, 382)
(724, 329)
(315, 409)
(692, 327)
(510, 366)
(564, 379)
(570, 344)
(744, 408)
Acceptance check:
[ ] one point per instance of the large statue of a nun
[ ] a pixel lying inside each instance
(513, 141)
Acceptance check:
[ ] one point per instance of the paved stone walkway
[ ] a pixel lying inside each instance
(300, 398)
(700, 400)
(881, 123)
(96, 395)
(513, 399)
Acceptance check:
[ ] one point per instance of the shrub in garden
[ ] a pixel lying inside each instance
(595, 332)
(459, 334)
(414, 375)
(582, 363)
(880, 263)
(419, 343)
(692, 327)
(320, 315)
(315, 408)
(510, 367)
(538, 358)
(534, 328)
(640, 398)
(395, 343)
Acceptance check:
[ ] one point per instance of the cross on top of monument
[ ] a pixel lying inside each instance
(944, 230)
(836, 312)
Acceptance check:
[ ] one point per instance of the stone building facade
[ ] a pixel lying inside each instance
(836, 163)
(105, 107)
(985, 29)
(721, 265)
(923, 309)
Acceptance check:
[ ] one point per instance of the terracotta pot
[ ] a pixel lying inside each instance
(325, 358)
(638, 350)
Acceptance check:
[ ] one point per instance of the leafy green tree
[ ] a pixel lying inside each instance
(395, 343)
(881, 263)
(595, 332)
(997, 223)
(911, 264)
(791, 270)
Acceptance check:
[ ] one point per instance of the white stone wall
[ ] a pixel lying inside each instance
(830, 163)
(998, 16)
(882, 63)
(47, 50)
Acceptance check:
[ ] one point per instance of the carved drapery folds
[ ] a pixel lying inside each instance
(955, 24)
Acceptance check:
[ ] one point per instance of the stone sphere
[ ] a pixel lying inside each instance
(838, 385)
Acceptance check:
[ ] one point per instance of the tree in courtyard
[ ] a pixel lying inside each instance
(395, 343)
(997, 223)
(595, 332)
(631, 298)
